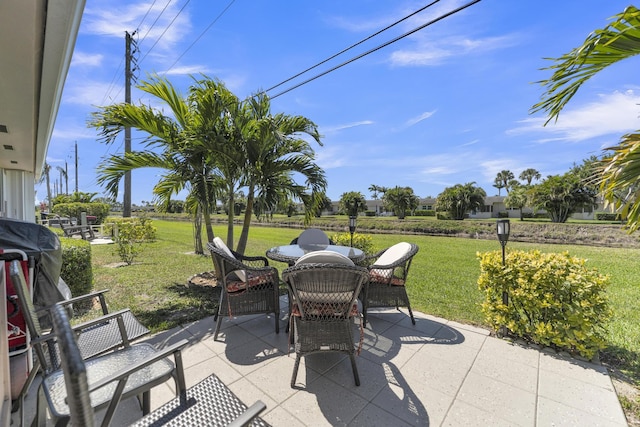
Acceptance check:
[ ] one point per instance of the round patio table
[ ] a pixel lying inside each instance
(291, 253)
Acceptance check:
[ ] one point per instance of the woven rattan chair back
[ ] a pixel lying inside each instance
(248, 286)
(324, 304)
(388, 272)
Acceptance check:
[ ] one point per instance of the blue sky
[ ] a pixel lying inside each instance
(446, 105)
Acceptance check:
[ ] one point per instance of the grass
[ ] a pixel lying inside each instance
(442, 281)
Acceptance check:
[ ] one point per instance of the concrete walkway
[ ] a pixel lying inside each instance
(437, 373)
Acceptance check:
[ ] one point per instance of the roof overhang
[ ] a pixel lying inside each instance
(37, 38)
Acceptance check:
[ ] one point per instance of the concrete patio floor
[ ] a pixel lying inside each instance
(436, 373)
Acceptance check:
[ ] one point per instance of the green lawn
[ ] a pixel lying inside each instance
(442, 281)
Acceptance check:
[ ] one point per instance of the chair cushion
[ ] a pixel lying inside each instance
(235, 284)
(390, 256)
(378, 276)
(324, 257)
(219, 243)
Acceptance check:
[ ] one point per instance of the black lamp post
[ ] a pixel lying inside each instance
(502, 229)
(352, 226)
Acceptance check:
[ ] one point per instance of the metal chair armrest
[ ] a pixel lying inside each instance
(124, 373)
(251, 412)
(84, 297)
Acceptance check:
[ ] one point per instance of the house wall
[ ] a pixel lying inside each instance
(17, 195)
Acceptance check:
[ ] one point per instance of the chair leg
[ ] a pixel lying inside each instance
(356, 377)
(277, 316)
(40, 416)
(411, 314)
(218, 322)
(295, 371)
(146, 402)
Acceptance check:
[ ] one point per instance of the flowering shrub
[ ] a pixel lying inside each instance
(554, 300)
(360, 241)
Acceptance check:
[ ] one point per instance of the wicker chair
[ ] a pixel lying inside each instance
(311, 237)
(388, 270)
(324, 304)
(152, 366)
(249, 285)
(209, 402)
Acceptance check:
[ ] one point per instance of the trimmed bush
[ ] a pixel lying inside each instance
(554, 300)
(99, 210)
(360, 241)
(76, 265)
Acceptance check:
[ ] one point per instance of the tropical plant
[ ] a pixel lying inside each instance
(400, 200)
(620, 168)
(505, 176)
(188, 140)
(562, 195)
(273, 154)
(46, 170)
(352, 203)
(458, 200)
(498, 183)
(529, 175)
(517, 198)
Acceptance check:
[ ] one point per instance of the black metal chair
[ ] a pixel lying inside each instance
(324, 304)
(209, 402)
(146, 365)
(248, 284)
(388, 270)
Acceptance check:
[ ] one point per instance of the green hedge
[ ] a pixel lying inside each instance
(553, 299)
(76, 265)
(606, 216)
(99, 210)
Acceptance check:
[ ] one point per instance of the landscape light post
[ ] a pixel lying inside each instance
(352, 226)
(502, 229)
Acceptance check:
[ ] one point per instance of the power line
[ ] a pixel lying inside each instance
(156, 20)
(202, 34)
(146, 14)
(433, 21)
(165, 30)
(353, 45)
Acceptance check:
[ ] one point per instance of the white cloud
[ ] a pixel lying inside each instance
(170, 23)
(88, 59)
(420, 118)
(92, 93)
(614, 113)
(428, 53)
(186, 70)
(346, 126)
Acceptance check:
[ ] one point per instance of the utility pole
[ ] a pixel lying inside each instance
(76, 167)
(126, 202)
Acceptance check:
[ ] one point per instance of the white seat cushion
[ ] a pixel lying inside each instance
(324, 257)
(390, 256)
(219, 243)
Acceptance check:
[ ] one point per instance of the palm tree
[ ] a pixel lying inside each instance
(187, 140)
(273, 155)
(517, 198)
(505, 177)
(400, 200)
(460, 199)
(63, 174)
(497, 182)
(620, 170)
(45, 174)
(375, 190)
(529, 175)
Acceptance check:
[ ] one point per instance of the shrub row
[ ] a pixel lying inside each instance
(553, 299)
(99, 210)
